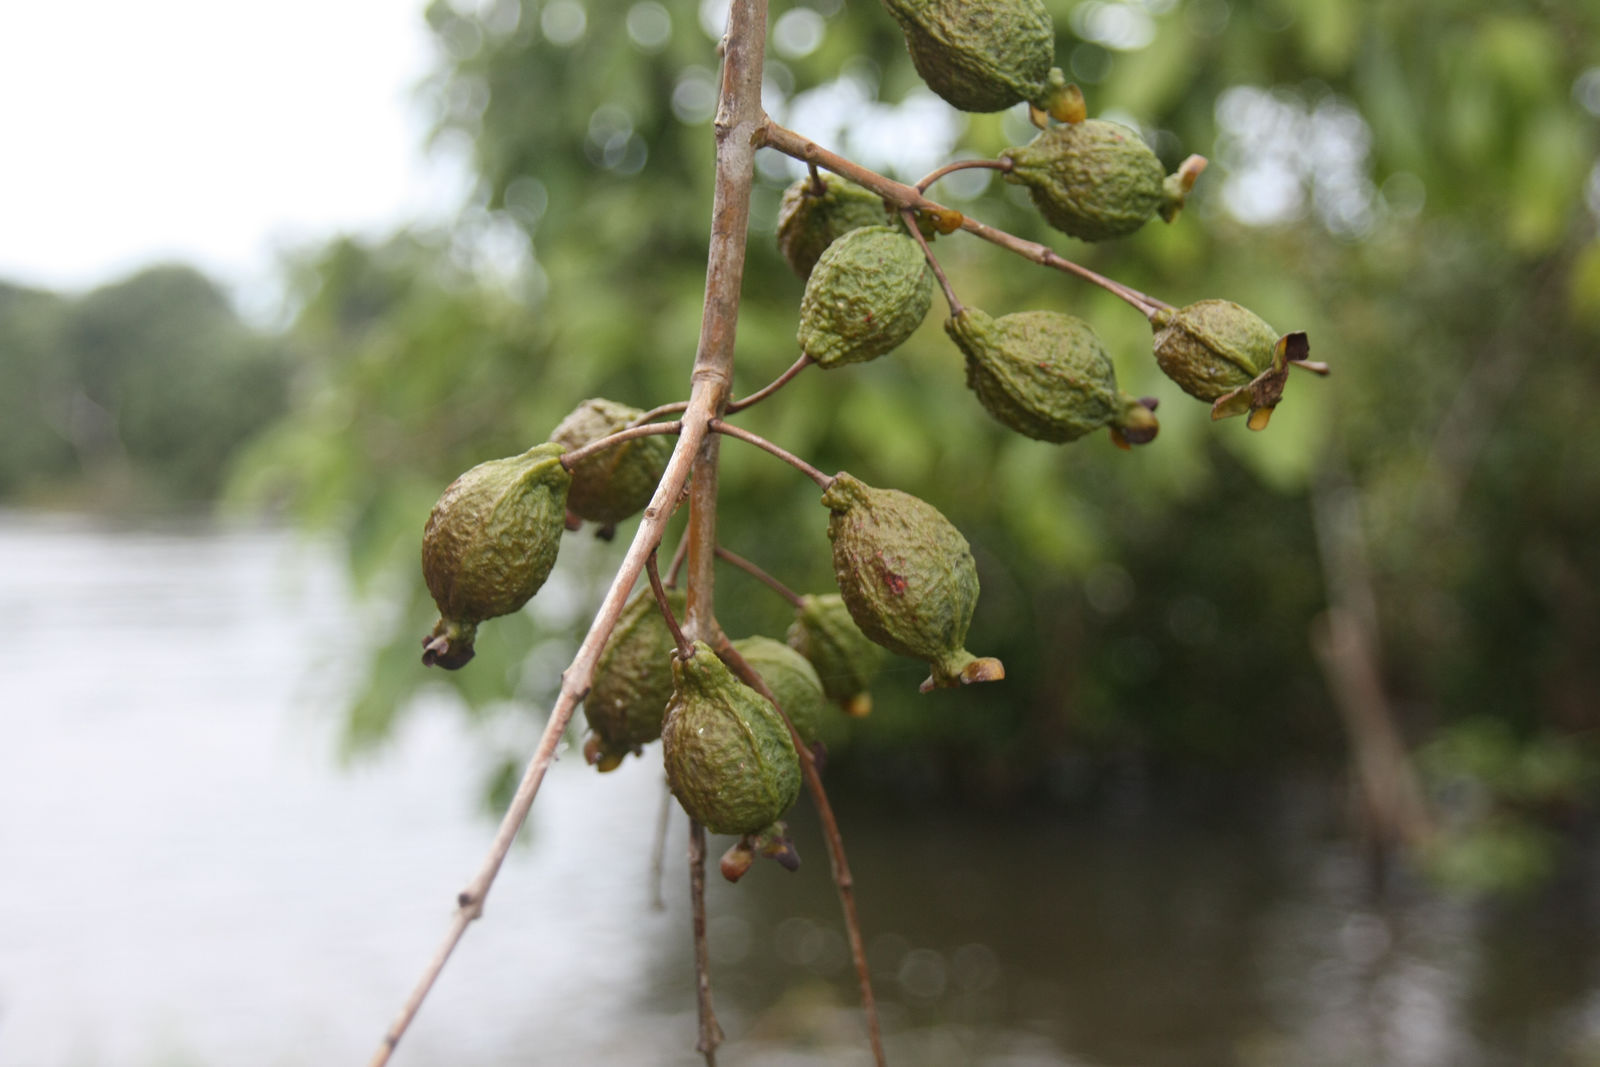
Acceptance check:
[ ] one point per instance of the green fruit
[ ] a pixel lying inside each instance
(984, 55)
(490, 544)
(1097, 180)
(846, 660)
(632, 681)
(730, 761)
(792, 680)
(1045, 375)
(1216, 350)
(908, 578)
(868, 293)
(810, 220)
(617, 482)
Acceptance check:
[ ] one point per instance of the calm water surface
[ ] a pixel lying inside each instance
(189, 876)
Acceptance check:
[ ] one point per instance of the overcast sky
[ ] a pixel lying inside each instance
(213, 133)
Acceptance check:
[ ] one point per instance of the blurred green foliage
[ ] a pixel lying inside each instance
(131, 396)
(1407, 182)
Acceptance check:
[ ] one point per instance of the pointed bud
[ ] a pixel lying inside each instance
(792, 680)
(810, 219)
(632, 680)
(1097, 180)
(984, 56)
(908, 578)
(1045, 375)
(869, 292)
(846, 660)
(729, 759)
(1216, 350)
(489, 545)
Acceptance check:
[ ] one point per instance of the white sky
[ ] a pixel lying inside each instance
(216, 133)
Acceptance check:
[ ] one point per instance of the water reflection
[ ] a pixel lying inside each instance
(187, 877)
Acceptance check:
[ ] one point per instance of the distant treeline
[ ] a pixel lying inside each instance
(134, 395)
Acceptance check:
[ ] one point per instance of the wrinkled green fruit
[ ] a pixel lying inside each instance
(908, 578)
(632, 681)
(984, 55)
(1216, 350)
(846, 660)
(792, 679)
(729, 758)
(869, 292)
(1045, 375)
(1096, 180)
(809, 221)
(617, 483)
(489, 545)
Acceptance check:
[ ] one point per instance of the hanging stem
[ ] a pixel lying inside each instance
(677, 563)
(760, 575)
(837, 861)
(658, 851)
(572, 458)
(685, 649)
(906, 196)
(822, 480)
(962, 164)
(772, 387)
(710, 1032)
(950, 297)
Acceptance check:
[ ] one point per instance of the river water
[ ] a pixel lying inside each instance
(189, 876)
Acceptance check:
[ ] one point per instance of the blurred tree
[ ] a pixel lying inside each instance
(1404, 181)
(133, 395)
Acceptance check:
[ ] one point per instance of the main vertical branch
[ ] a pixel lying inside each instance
(738, 125)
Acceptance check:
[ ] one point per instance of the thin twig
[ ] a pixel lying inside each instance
(830, 832)
(685, 650)
(950, 297)
(818, 186)
(576, 456)
(906, 196)
(710, 1032)
(760, 575)
(677, 562)
(738, 124)
(822, 480)
(962, 164)
(772, 387)
(674, 408)
(658, 850)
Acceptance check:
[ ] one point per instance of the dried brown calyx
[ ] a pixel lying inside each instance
(1218, 351)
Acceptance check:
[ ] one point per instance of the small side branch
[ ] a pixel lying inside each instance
(571, 459)
(772, 387)
(822, 480)
(907, 196)
(685, 650)
(840, 865)
(950, 297)
(760, 575)
(962, 164)
(710, 1031)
